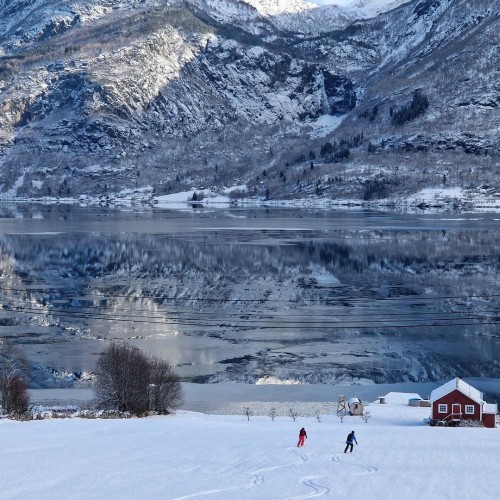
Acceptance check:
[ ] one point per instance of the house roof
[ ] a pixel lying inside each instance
(490, 408)
(400, 398)
(460, 385)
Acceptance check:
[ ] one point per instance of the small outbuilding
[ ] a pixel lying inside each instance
(355, 406)
(456, 401)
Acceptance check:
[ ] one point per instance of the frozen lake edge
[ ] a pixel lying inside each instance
(215, 398)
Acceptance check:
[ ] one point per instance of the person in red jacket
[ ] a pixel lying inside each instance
(302, 437)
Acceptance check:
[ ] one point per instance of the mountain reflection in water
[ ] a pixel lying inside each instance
(254, 295)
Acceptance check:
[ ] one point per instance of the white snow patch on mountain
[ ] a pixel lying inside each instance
(325, 124)
(275, 7)
(364, 8)
(242, 188)
(430, 194)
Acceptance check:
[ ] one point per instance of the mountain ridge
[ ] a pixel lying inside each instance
(101, 97)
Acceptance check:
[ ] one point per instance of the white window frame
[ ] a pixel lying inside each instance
(442, 408)
(469, 410)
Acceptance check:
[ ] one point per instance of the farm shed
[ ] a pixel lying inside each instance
(355, 406)
(456, 401)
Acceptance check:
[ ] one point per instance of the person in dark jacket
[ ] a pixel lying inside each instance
(302, 437)
(351, 439)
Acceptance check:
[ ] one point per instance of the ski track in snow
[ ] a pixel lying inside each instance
(367, 469)
(309, 481)
(319, 489)
(258, 478)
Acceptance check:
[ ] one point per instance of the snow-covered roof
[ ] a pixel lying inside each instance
(400, 398)
(490, 408)
(459, 385)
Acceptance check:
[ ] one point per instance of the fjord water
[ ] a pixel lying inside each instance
(254, 295)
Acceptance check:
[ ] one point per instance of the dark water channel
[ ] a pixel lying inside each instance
(254, 295)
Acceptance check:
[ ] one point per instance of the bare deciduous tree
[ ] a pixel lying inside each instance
(293, 413)
(248, 412)
(17, 398)
(14, 369)
(273, 413)
(165, 387)
(366, 416)
(123, 374)
(131, 382)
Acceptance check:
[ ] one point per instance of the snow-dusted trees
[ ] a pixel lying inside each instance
(130, 381)
(293, 413)
(14, 369)
(273, 413)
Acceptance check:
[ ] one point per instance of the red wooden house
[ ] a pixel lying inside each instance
(456, 400)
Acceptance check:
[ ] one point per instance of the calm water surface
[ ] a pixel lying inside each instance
(252, 295)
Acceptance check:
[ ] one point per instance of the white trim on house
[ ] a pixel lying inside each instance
(442, 408)
(469, 409)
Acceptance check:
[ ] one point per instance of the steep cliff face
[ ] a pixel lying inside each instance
(98, 97)
(451, 59)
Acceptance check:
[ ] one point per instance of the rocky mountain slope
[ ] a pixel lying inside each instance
(104, 97)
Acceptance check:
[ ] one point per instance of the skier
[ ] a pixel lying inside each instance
(302, 437)
(351, 438)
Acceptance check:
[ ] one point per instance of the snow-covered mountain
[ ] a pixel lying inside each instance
(163, 96)
(371, 8)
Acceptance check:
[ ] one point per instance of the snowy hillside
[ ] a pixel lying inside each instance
(193, 455)
(371, 8)
(100, 98)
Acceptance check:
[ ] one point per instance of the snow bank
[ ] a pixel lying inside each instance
(400, 398)
(185, 198)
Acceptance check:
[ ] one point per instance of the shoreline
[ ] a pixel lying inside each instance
(428, 200)
(213, 398)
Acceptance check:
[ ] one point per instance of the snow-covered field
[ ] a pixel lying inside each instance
(194, 455)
